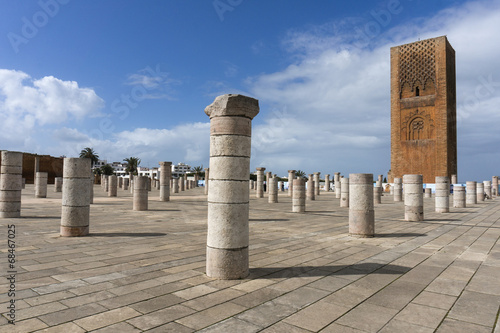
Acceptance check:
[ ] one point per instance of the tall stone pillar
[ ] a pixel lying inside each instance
(310, 188)
(140, 200)
(113, 186)
(336, 180)
(207, 179)
(494, 186)
(291, 177)
(414, 197)
(380, 179)
(361, 208)
(41, 184)
(181, 183)
(299, 195)
(58, 181)
(458, 196)
(398, 189)
(260, 183)
(165, 174)
(454, 179)
(24, 183)
(471, 195)
(327, 184)
(316, 183)
(158, 186)
(176, 185)
(344, 192)
(37, 166)
(126, 183)
(228, 199)
(427, 192)
(188, 184)
(487, 189)
(120, 182)
(273, 190)
(11, 184)
(442, 195)
(480, 191)
(106, 183)
(377, 194)
(131, 176)
(75, 215)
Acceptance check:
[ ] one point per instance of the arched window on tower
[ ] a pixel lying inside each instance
(416, 129)
(417, 91)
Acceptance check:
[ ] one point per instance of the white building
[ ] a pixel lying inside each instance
(180, 169)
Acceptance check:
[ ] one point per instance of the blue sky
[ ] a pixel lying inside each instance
(132, 78)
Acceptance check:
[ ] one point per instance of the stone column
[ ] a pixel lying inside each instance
(91, 187)
(260, 183)
(273, 190)
(149, 184)
(120, 182)
(310, 188)
(471, 195)
(75, 215)
(344, 192)
(327, 185)
(41, 184)
(250, 184)
(458, 196)
(11, 184)
(158, 186)
(291, 177)
(487, 189)
(181, 183)
(494, 186)
(454, 179)
(377, 194)
(299, 195)
(196, 178)
(380, 179)
(316, 183)
(165, 174)
(176, 185)
(361, 208)
(24, 183)
(58, 184)
(102, 181)
(480, 191)
(228, 199)
(414, 197)
(188, 184)
(281, 188)
(113, 186)
(126, 183)
(391, 190)
(268, 176)
(140, 200)
(398, 189)
(442, 195)
(131, 176)
(37, 166)
(207, 179)
(106, 183)
(336, 180)
(428, 192)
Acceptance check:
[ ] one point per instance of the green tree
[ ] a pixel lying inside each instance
(300, 174)
(198, 170)
(89, 153)
(107, 170)
(132, 164)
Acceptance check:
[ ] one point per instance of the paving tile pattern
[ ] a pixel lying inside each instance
(144, 271)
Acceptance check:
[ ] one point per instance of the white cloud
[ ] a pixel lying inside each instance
(27, 103)
(153, 83)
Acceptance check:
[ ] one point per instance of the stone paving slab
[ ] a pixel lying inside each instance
(144, 271)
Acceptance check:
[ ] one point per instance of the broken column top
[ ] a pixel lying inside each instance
(233, 105)
(165, 163)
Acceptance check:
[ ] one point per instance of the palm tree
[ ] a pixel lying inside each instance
(300, 174)
(107, 170)
(89, 153)
(198, 170)
(132, 164)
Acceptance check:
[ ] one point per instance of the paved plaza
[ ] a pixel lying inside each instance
(144, 271)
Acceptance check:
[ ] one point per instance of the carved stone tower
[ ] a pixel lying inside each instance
(423, 109)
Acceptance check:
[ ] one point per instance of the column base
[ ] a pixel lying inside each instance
(74, 231)
(227, 264)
